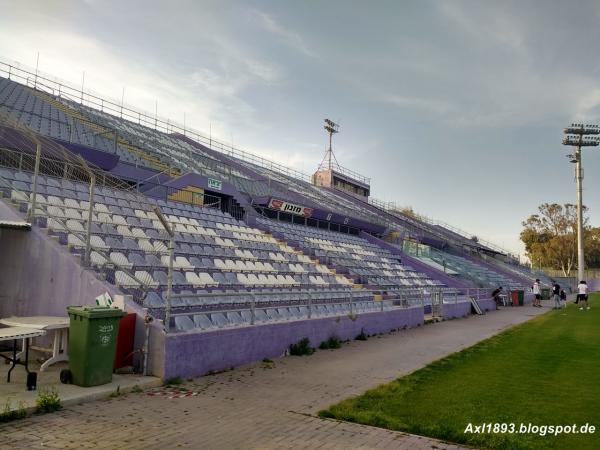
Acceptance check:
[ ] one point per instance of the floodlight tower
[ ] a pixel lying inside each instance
(580, 135)
(331, 127)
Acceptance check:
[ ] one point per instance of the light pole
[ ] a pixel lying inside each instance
(580, 135)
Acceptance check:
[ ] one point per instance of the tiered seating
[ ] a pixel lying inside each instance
(141, 145)
(214, 252)
(363, 261)
(462, 267)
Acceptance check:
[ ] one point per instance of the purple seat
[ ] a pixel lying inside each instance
(137, 260)
(22, 176)
(153, 261)
(160, 276)
(130, 244)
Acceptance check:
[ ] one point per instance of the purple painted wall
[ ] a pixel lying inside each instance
(488, 304)
(131, 172)
(453, 310)
(38, 276)
(9, 214)
(195, 354)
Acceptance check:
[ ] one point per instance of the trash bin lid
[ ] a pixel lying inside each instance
(95, 312)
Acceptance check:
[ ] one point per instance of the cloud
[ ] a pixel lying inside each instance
(290, 38)
(423, 104)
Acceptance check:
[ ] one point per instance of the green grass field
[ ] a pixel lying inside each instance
(543, 372)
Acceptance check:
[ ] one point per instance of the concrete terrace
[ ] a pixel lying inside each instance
(264, 406)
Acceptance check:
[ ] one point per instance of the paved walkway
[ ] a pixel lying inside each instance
(265, 406)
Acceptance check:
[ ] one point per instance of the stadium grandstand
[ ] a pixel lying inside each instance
(225, 249)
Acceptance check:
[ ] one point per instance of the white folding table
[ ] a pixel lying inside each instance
(60, 327)
(16, 334)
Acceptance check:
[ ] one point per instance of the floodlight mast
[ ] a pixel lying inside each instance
(332, 128)
(579, 135)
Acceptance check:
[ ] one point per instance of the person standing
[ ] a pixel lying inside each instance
(582, 295)
(563, 298)
(538, 294)
(556, 295)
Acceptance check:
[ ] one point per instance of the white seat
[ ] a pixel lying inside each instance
(120, 260)
(105, 217)
(98, 242)
(74, 241)
(97, 259)
(124, 280)
(73, 203)
(74, 214)
(253, 280)
(181, 262)
(243, 279)
(119, 220)
(75, 226)
(207, 279)
(99, 208)
(159, 246)
(52, 200)
(55, 225)
(146, 279)
(138, 233)
(240, 266)
(124, 231)
(193, 279)
(262, 279)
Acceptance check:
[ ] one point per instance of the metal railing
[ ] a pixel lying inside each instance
(308, 299)
(61, 89)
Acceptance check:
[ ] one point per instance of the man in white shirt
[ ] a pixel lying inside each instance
(582, 295)
(538, 294)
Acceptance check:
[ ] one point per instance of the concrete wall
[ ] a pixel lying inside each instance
(38, 276)
(594, 284)
(195, 354)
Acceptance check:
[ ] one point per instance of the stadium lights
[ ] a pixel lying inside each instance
(580, 135)
(332, 128)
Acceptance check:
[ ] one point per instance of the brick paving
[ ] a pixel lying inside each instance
(264, 406)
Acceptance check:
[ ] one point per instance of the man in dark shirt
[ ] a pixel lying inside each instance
(556, 295)
(496, 295)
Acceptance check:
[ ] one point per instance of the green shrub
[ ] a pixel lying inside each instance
(302, 347)
(331, 343)
(48, 401)
(8, 414)
(174, 381)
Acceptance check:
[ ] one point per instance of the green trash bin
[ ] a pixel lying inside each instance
(521, 298)
(92, 343)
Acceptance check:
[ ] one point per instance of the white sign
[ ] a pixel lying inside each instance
(104, 300)
(290, 208)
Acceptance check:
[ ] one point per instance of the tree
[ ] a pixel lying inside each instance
(550, 237)
(592, 247)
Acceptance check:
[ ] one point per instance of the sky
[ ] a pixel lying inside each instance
(455, 108)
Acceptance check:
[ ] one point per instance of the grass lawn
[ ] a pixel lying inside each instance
(543, 372)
